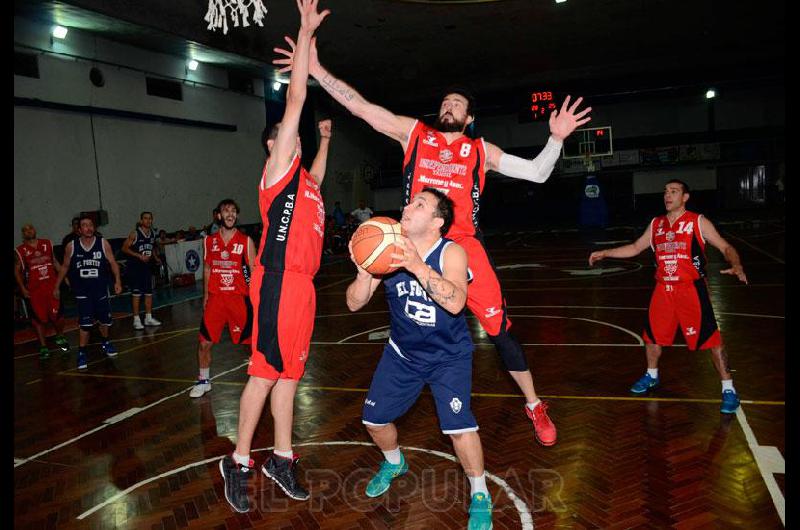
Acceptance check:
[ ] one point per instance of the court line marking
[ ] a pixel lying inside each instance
(769, 479)
(525, 517)
(751, 315)
(476, 394)
(117, 418)
(779, 260)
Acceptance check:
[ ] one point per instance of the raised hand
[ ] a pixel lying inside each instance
(289, 55)
(564, 122)
(324, 128)
(310, 19)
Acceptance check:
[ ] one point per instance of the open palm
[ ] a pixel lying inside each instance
(564, 122)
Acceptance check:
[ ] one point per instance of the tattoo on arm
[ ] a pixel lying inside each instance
(334, 86)
(442, 291)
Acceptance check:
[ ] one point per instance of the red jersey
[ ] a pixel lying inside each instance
(294, 222)
(679, 248)
(457, 169)
(37, 264)
(228, 263)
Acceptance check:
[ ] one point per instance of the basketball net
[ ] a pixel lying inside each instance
(588, 162)
(217, 15)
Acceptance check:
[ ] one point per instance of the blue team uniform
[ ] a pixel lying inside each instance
(139, 272)
(427, 345)
(89, 278)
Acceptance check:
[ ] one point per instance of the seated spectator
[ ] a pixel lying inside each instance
(363, 212)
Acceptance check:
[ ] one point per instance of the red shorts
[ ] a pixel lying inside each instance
(687, 305)
(45, 307)
(484, 297)
(284, 306)
(233, 310)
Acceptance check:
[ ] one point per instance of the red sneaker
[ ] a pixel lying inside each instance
(543, 427)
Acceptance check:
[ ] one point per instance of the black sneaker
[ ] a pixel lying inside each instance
(284, 472)
(236, 477)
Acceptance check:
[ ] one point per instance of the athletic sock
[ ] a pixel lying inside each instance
(204, 373)
(727, 384)
(653, 372)
(393, 456)
(533, 405)
(284, 454)
(243, 460)
(478, 485)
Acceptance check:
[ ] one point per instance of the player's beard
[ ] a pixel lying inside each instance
(449, 126)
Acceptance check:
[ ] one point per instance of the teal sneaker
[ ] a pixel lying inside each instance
(730, 402)
(44, 352)
(480, 512)
(384, 477)
(61, 342)
(644, 384)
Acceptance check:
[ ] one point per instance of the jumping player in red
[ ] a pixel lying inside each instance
(36, 269)
(228, 256)
(681, 297)
(282, 287)
(444, 158)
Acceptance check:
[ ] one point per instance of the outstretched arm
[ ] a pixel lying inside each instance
(711, 235)
(380, 119)
(539, 169)
(321, 160)
(285, 145)
(625, 251)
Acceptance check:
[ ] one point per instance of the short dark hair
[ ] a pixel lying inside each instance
(75, 220)
(225, 202)
(141, 215)
(85, 216)
(269, 133)
(444, 208)
(464, 92)
(681, 183)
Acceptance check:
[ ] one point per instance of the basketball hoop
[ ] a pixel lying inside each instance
(588, 161)
(217, 15)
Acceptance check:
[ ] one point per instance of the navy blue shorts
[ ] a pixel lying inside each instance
(141, 279)
(93, 307)
(397, 383)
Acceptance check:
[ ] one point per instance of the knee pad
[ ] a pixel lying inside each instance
(510, 351)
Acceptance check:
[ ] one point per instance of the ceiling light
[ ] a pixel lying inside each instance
(560, 1)
(59, 32)
(193, 65)
(711, 93)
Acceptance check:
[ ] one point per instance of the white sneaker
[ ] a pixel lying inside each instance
(150, 321)
(137, 323)
(200, 387)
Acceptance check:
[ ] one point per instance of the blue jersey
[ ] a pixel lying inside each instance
(143, 245)
(421, 331)
(88, 268)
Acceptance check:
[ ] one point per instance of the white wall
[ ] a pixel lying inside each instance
(178, 172)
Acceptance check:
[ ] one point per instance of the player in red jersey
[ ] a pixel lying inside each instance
(36, 269)
(282, 288)
(228, 257)
(442, 157)
(681, 297)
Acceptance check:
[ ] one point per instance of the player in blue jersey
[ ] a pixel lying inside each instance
(429, 343)
(141, 248)
(86, 261)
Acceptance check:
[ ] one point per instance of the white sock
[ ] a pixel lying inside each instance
(533, 405)
(727, 384)
(204, 373)
(284, 454)
(136, 317)
(393, 456)
(478, 485)
(653, 372)
(243, 460)
(148, 315)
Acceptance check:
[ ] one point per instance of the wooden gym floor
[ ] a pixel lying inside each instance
(121, 445)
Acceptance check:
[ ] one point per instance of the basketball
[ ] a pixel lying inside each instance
(373, 244)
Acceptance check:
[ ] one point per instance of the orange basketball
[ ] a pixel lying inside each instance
(373, 244)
